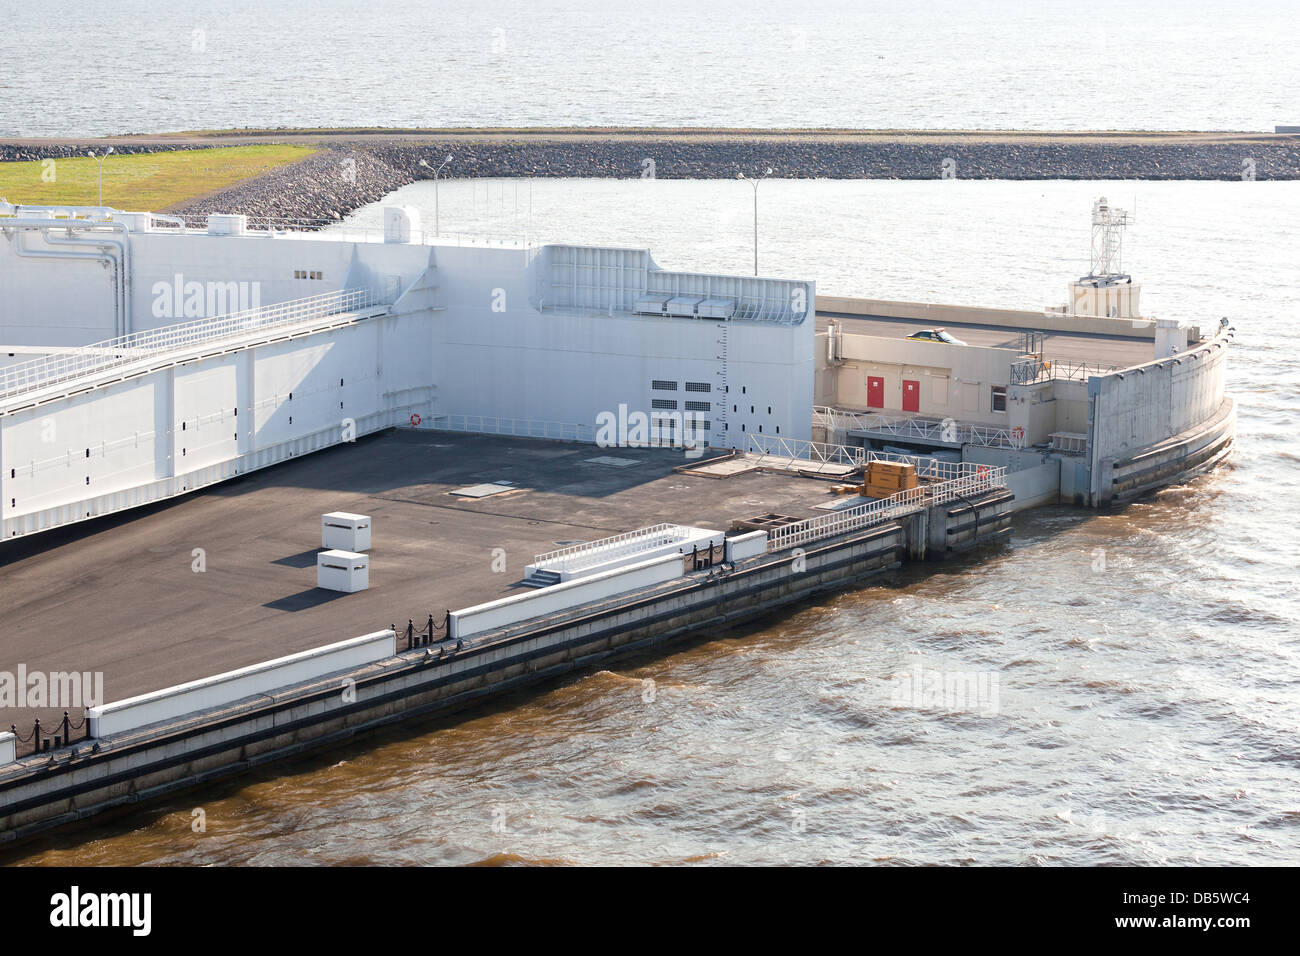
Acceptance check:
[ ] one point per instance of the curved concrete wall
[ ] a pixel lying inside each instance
(1142, 406)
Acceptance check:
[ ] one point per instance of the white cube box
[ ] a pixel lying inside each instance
(344, 571)
(347, 532)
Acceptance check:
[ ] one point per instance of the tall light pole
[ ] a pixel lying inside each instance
(435, 190)
(99, 161)
(754, 182)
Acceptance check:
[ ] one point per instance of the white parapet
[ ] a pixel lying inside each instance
(345, 571)
(225, 689)
(560, 597)
(8, 748)
(747, 545)
(620, 550)
(345, 531)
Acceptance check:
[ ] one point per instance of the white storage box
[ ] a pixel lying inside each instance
(344, 571)
(347, 532)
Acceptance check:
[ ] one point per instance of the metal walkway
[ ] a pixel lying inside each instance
(181, 341)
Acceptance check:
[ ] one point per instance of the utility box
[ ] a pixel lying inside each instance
(401, 223)
(220, 224)
(344, 571)
(348, 532)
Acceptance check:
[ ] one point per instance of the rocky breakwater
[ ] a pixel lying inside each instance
(347, 174)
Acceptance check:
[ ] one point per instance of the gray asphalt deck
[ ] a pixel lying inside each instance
(119, 595)
(1090, 348)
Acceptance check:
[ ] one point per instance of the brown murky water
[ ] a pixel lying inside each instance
(1125, 687)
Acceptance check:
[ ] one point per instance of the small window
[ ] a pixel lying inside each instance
(998, 398)
(667, 403)
(662, 386)
(698, 387)
(699, 406)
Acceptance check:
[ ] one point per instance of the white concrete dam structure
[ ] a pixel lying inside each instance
(170, 358)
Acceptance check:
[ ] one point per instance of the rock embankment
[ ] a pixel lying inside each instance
(347, 174)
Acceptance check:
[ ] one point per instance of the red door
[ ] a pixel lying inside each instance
(875, 392)
(911, 396)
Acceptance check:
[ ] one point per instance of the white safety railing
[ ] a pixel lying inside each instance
(984, 478)
(770, 448)
(946, 431)
(519, 427)
(138, 346)
(658, 437)
(578, 556)
(931, 469)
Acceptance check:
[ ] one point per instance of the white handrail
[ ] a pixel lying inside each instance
(946, 431)
(578, 556)
(124, 350)
(984, 478)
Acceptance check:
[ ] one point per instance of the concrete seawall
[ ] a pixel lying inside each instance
(91, 776)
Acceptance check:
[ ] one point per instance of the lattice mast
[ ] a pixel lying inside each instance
(1108, 225)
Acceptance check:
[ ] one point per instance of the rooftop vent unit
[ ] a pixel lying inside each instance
(227, 225)
(138, 221)
(652, 305)
(683, 305)
(716, 309)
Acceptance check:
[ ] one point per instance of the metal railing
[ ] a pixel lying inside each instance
(945, 431)
(984, 478)
(519, 427)
(658, 437)
(138, 346)
(616, 546)
(790, 450)
(931, 469)
(337, 229)
(1036, 371)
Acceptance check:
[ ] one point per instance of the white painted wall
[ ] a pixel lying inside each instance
(475, 332)
(559, 597)
(222, 689)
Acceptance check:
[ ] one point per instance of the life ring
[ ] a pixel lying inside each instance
(416, 419)
(1018, 432)
(982, 471)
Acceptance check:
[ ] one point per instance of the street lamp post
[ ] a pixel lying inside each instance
(435, 190)
(99, 161)
(754, 182)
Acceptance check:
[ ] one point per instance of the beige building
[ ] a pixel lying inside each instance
(903, 377)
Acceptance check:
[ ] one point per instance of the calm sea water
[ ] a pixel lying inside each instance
(154, 65)
(1147, 661)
